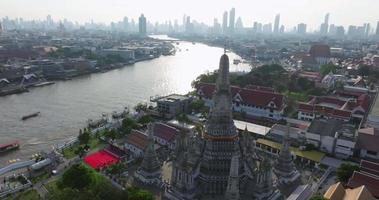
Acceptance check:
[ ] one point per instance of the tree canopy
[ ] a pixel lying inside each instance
(345, 171)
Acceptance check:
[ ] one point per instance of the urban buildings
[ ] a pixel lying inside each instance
(225, 22)
(276, 24)
(232, 18)
(301, 29)
(142, 25)
(325, 26)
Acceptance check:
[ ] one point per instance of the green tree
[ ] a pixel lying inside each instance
(110, 134)
(77, 177)
(80, 151)
(345, 171)
(145, 119)
(326, 69)
(84, 137)
(140, 107)
(197, 105)
(135, 193)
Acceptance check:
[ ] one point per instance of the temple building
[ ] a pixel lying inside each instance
(150, 169)
(217, 163)
(284, 168)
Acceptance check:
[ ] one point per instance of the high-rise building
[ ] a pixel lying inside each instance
(232, 18)
(239, 24)
(1, 28)
(257, 27)
(225, 22)
(340, 31)
(325, 26)
(276, 23)
(301, 29)
(377, 28)
(188, 24)
(367, 29)
(267, 28)
(216, 26)
(125, 23)
(142, 25)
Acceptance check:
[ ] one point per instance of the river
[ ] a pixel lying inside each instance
(67, 105)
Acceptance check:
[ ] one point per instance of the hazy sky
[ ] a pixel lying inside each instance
(343, 12)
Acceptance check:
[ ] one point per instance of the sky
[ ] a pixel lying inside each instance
(311, 12)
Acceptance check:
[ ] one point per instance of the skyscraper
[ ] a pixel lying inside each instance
(142, 25)
(239, 24)
(276, 23)
(301, 29)
(325, 25)
(232, 18)
(125, 23)
(225, 22)
(188, 24)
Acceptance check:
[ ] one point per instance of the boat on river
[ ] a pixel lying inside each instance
(31, 115)
(9, 146)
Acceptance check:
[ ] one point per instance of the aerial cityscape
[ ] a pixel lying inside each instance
(175, 100)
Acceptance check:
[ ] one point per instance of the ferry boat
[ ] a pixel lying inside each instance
(9, 146)
(30, 116)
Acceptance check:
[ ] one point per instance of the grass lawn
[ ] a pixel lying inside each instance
(27, 195)
(51, 186)
(94, 143)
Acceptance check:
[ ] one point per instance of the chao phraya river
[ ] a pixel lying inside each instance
(67, 105)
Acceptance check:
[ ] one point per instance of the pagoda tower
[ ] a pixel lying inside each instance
(150, 170)
(220, 137)
(284, 168)
(264, 185)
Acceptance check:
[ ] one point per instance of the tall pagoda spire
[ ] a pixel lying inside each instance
(150, 168)
(220, 120)
(232, 189)
(284, 167)
(265, 188)
(220, 136)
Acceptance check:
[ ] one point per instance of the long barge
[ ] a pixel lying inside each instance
(9, 146)
(30, 116)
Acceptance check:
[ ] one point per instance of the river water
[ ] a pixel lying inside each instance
(67, 105)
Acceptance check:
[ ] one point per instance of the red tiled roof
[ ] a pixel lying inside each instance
(368, 141)
(137, 139)
(254, 97)
(369, 180)
(369, 167)
(320, 50)
(165, 131)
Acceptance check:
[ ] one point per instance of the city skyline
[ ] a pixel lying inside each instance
(249, 11)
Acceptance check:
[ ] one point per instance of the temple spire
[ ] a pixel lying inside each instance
(150, 169)
(284, 167)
